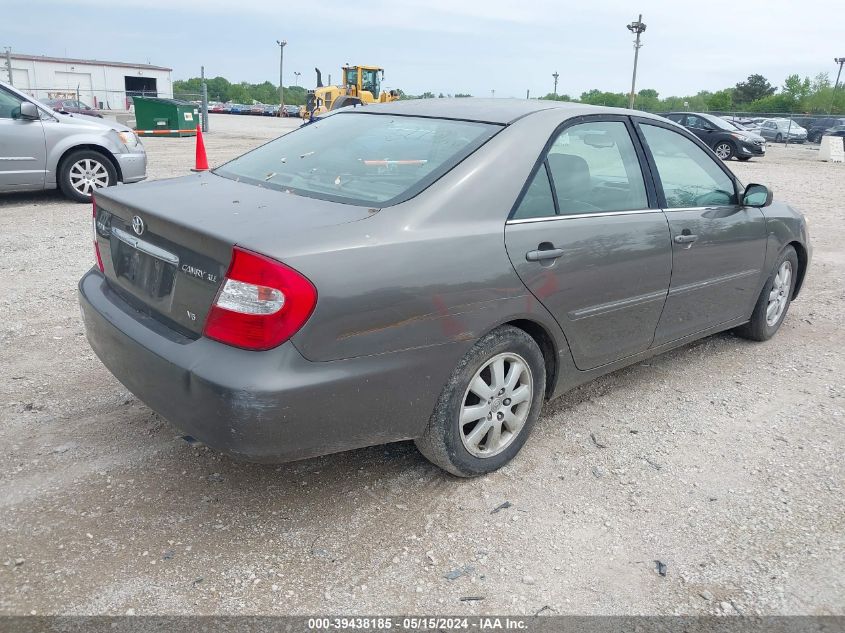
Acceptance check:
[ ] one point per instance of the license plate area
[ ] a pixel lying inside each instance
(144, 266)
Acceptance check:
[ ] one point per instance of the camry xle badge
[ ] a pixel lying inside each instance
(137, 225)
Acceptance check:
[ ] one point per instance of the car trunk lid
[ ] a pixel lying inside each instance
(166, 245)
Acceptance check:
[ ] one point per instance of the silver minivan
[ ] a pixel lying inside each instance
(44, 149)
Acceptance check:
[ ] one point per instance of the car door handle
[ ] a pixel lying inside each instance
(685, 239)
(540, 255)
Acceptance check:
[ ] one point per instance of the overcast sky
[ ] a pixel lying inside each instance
(446, 46)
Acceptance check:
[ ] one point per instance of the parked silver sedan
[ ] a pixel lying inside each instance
(430, 270)
(43, 149)
(779, 130)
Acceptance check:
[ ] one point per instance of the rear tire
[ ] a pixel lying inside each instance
(471, 433)
(774, 300)
(724, 150)
(84, 171)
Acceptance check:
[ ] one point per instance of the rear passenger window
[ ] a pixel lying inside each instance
(538, 201)
(595, 168)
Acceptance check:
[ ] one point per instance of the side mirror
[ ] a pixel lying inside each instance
(757, 196)
(29, 110)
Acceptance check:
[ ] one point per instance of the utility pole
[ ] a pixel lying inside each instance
(282, 44)
(555, 75)
(838, 60)
(204, 100)
(296, 74)
(528, 94)
(493, 93)
(638, 28)
(9, 63)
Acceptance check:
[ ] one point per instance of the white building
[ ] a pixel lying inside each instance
(100, 84)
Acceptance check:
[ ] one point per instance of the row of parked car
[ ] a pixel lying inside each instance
(744, 138)
(797, 129)
(258, 109)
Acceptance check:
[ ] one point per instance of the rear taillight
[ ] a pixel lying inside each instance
(261, 303)
(96, 243)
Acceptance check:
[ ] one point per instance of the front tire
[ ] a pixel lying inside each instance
(779, 138)
(84, 171)
(724, 150)
(743, 158)
(774, 300)
(489, 405)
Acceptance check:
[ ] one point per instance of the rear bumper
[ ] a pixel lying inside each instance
(133, 167)
(268, 406)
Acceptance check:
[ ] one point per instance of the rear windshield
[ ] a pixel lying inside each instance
(359, 158)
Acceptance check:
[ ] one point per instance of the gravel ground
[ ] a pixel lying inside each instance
(721, 460)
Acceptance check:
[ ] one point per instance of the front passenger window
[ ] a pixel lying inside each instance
(690, 177)
(10, 105)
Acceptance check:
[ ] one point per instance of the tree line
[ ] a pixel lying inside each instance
(755, 94)
(222, 90)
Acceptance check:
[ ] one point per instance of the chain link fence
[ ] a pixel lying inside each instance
(97, 99)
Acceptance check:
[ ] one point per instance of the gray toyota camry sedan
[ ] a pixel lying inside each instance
(430, 270)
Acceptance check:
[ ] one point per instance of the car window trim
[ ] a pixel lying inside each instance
(542, 159)
(661, 196)
(580, 216)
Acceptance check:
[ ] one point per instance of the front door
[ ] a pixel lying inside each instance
(23, 153)
(590, 244)
(718, 246)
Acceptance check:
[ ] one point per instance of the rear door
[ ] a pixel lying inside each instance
(588, 241)
(23, 152)
(768, 130)
(701, 127)
(718, 245)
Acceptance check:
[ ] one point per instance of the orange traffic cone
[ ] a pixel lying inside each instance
(202, 159)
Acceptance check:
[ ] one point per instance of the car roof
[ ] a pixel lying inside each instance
(706, 115)
(501, 111)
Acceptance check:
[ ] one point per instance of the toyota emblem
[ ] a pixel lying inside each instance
(137, 225)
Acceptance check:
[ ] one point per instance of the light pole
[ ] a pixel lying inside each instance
(493, 93)
(840, 61)
(296, 74)
(555, 75)
(9, 63)
(638, 28)
(282, 44)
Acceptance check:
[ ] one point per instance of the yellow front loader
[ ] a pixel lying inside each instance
(360, 85)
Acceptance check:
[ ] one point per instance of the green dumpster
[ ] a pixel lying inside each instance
(155, 116)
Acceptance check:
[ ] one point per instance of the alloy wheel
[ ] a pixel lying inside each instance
(779, 294)
(496, 405)
(723, 151)
(88, 174)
